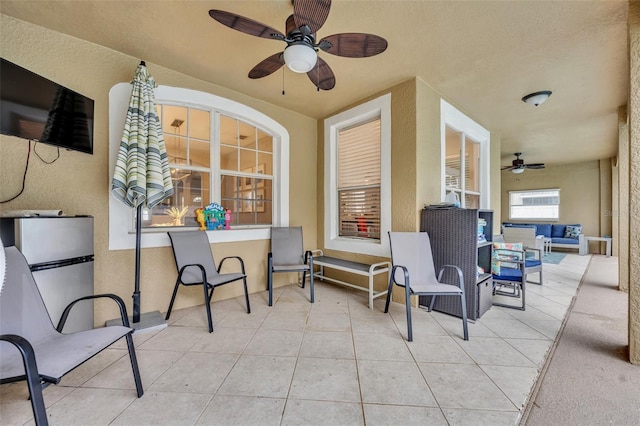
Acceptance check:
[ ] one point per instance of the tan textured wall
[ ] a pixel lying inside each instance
(403, 140)
(634, 173)
(621, 214)
(79, 183)
(579, 185)
(606, 200)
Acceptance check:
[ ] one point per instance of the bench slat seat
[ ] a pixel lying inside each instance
(363, 269)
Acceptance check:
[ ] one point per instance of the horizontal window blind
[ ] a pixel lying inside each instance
(359, 180)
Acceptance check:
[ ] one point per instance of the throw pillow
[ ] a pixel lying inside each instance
(572, 231)
(502, 253)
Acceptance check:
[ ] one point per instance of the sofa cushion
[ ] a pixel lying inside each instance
(544, 229)
(572, 231)
(564, 241)
(557, 231)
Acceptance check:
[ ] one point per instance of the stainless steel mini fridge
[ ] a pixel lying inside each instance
(59, 251)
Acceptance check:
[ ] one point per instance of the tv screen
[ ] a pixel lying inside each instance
(33, 107)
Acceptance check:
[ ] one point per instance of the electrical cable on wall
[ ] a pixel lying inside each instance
(41, 159)
(24, 177)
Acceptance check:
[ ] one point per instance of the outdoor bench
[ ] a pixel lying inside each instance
(363, 269)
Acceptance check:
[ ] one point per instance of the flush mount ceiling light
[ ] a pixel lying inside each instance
(537, 98)
(300, 57)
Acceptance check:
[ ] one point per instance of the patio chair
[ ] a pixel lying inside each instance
(32, 349)
(196, 266)
(287, 255)
(508, 268)
(533, 246)
(413, 269)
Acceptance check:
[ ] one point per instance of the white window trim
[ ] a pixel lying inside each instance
(545, 219)
(451, 117)
(377, 107)
(121, 236)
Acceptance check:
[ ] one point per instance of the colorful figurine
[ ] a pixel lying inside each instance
(227, 219)
(200, 218)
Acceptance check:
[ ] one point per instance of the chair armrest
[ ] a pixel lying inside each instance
(534, 250)
(115, 298)
(197, 265)
(405, 272)
(308, 257)
(233, 257)
(458, 270)
(33, 377)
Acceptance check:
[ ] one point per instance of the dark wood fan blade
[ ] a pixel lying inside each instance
(290, 24)
(508, 168)
(268, 66)
(534, 166)
(311, 12)
(354, 45)
(321, 75)
(244, 25)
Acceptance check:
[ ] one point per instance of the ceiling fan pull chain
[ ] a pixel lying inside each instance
(282, 81)
(318, 76)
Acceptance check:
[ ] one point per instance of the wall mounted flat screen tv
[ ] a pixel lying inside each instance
(33, 107)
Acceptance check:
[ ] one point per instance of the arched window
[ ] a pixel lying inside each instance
(219, 151)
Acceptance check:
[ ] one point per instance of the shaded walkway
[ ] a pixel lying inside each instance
(589, 380)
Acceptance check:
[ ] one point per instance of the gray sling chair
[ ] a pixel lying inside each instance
(287, 255)
(196, 266)
(32, 349)
(413, 269)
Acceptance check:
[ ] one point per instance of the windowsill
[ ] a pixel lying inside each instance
(159, 238)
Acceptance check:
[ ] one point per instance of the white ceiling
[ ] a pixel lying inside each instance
(483, 56)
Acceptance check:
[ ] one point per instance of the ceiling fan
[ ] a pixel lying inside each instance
(301, 53)
(518, 166)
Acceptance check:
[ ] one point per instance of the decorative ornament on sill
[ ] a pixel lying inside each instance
(213, 217)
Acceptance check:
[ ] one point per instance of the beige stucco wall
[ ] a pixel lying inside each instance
(634, 187)
(580, 199)
(415, 164)
(79, 183)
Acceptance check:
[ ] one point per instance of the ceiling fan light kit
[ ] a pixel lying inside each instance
(300, 57)
(537, 98)
(301, 53)
(518, 171)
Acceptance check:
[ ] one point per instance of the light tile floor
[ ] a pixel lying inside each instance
(331, 363)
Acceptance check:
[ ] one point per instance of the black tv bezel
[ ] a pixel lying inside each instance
(86, 148)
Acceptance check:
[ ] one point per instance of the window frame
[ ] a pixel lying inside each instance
(121, 223)
(451, 117)
(381, 107)
(529, 191)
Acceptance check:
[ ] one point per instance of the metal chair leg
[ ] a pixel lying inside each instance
(270, 279)
(173, 298)
(246, 295)
(407, 292)
(134, 365)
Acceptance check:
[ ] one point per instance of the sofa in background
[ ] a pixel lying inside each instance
(561, 235)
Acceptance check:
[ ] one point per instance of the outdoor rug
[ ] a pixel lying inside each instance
(552, 257)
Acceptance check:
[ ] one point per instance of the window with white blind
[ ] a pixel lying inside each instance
(539, 204)
(357, 178)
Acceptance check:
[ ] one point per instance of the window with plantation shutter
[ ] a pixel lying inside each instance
(359, 180)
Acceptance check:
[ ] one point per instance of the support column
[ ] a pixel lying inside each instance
(621, 214)
(634, 183)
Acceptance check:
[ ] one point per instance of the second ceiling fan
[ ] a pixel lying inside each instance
(301, 53)
(518, 165)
